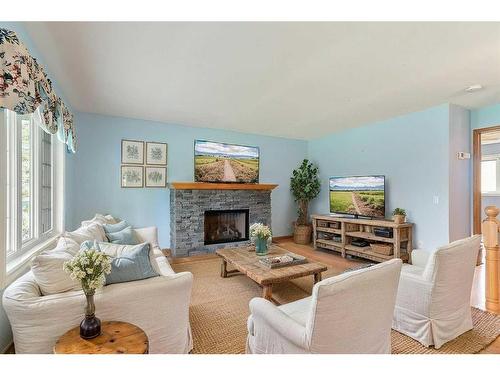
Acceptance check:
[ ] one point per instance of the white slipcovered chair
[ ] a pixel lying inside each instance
(349, 313)
(158, 305)
(433, 302)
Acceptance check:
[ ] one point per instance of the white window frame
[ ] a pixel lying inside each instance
(490, 160)
(496, 158)
(11, 218)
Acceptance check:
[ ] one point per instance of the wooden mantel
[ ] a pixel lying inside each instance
(219, 186)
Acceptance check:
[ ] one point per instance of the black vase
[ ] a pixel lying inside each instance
(90, 327)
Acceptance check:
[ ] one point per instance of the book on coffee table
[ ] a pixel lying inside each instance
(287, 259)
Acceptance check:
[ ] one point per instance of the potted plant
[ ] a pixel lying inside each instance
(305, 186)
(260, 235)
(399, 215)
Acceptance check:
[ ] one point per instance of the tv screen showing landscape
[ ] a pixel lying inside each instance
(358, 195)
(222, 162)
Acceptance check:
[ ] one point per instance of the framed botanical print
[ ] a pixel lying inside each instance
(156, 153)
(132, 152)
(132, 176)
(156, 177)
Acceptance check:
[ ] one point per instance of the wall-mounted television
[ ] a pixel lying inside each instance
(224, 162)
(358, 195)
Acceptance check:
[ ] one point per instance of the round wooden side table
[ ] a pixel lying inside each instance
(115, 338)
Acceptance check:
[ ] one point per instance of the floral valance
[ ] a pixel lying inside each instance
(25, 87)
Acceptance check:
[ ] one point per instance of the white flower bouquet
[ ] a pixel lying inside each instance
(260, 235)
(90, 268)
(261, 231)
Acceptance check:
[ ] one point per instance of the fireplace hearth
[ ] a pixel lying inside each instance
(223, 226)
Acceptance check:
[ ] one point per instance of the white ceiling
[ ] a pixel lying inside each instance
(297, 80)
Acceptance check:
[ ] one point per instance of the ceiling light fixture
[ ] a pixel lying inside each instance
(473, 88)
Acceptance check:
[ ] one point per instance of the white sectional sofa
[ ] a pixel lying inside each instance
(158, 305)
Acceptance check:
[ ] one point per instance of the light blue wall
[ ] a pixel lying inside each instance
(96, 186)
(485, 117)
(411, 151)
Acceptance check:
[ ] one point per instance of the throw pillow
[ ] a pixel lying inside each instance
(117, 250)
(100, 219)
(124, 237)
(113, 228)
(47, 268)
(92, 231)
(129, 263)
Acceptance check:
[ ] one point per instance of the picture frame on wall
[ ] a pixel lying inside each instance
(156, 153)
(156, 177)
(132, 152)
(132, 176)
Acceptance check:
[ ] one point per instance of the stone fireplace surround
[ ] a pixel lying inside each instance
(189, 201)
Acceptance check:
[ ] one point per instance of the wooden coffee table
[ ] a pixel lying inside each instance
(247, 262)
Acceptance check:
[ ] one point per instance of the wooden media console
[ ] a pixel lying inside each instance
(337, 233)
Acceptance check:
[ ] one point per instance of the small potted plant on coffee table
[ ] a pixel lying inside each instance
(261, 235)
(399, 215)
(305, 186)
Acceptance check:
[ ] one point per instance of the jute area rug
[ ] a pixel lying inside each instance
(219, 312)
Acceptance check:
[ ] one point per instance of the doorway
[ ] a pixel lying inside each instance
(486, 172)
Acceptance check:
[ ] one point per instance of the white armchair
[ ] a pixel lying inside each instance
(159, 305)
(349, 313)
(433, 302)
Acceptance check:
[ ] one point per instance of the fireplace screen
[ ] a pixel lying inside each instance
(223, 226)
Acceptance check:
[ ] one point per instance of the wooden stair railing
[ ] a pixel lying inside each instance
(490, 229)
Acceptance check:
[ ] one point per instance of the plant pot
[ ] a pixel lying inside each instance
(302, 234)
(399, 219)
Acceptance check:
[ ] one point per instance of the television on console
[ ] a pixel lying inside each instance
(358, 195)
(224, 162)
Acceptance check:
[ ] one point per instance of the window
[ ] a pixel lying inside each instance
(26, 178)
(46, 183)
(33, 189)
(488, 176)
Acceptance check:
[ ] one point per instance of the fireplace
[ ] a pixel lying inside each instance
(189, 201)
(223, 226)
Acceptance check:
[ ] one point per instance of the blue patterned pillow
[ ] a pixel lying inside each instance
(124, 237)
(112, 228)
(131, 265)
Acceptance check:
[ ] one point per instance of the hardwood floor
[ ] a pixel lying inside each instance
(336, 262)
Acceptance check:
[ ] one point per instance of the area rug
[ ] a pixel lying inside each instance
(219, 312)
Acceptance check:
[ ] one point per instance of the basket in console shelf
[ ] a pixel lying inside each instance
(382, 248)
